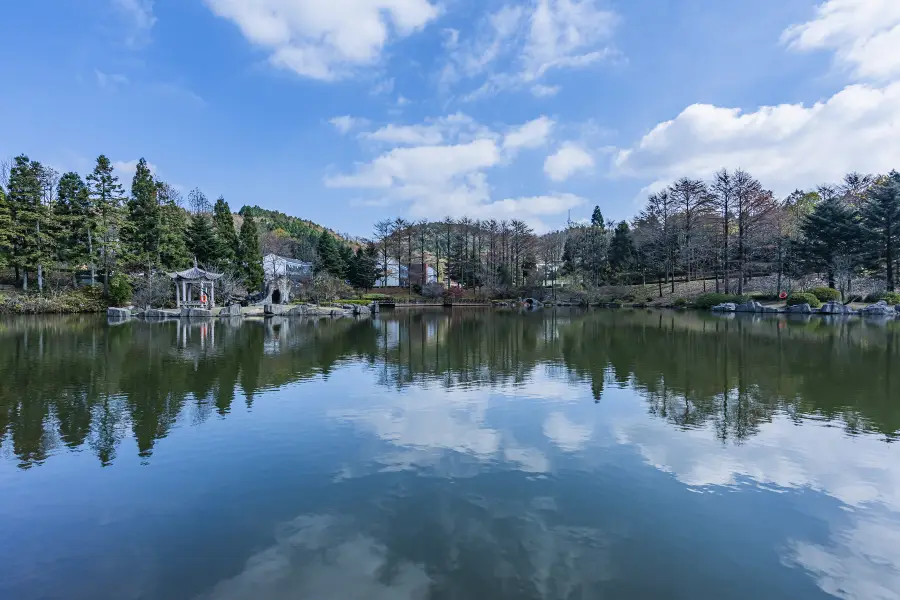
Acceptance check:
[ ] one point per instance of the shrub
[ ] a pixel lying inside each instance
(680, 303)
(119, 290)
(707, 301)
(433, 290)
(826, 294)
(803, 298)
(892, 298)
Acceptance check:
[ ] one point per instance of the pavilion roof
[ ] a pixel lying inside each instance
(195, 273)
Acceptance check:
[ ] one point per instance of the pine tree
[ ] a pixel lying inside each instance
(7, 232)
(142, 227)
(831, 239)
(225, 233)
(881, 218)
(201, 240)
(174, 254)
(363, 271)
(328, 256)
(597, 218)
(106, 197)
(621, 250)
(28, 214)
(345, 253)
(250, 254)
(76, 221)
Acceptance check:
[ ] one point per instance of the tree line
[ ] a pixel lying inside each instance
(70, 226)
(723, 231)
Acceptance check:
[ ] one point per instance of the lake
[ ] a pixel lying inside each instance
(451, 455)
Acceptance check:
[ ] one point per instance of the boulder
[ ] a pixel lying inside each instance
(232, 310)
(272, 310)
(118, 314)
(160, 313)
(800, 309)
(298, 310)
(881, 309)
(749, 307)
(834, 308)
(725, 307)
(195, 313)
(772, 310)
(897, 309)
(361, 310)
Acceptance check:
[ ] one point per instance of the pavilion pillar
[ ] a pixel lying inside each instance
(212, 295)
(177, 295)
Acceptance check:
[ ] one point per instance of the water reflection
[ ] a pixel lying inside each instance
(72, 382)
(458, 455)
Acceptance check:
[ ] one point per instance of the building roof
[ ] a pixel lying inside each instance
(195, 273)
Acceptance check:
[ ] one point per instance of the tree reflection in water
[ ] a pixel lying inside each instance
(74, 382)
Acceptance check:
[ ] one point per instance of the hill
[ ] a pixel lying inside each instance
(291, 236)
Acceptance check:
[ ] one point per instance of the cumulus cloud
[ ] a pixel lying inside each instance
(864, 34)
(532, 134)
(346, 123)
(325, 40)
(793, 145)
(440, 168)
(568, 160)
(519, 44)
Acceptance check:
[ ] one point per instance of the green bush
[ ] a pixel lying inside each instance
(707, 301)
(803, 298)
(826, 294)
(680, 303)
(83, 300)
(356, 302)
(119, 290)
(892, 298)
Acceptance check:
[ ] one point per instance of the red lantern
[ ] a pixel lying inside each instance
(782, 295)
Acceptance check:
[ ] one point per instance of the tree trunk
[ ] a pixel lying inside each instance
(889, 251)
(91, 258)
(40, 278)
(24, 280)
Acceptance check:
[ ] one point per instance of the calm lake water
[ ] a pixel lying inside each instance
(472, 455)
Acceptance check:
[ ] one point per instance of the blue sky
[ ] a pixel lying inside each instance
(347, 111)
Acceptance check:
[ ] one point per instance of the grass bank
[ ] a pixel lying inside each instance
(83, 300)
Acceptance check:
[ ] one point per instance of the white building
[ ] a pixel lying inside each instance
(397, 275)
(275, 266)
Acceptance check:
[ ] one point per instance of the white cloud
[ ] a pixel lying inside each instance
(532, 134)
(325, 40)
(569, 436)
(544, 91)
(518, 45)
(865, 35)
(440, 168)
(346, 123)
(794, 145)
(568, 160)
(411, 135)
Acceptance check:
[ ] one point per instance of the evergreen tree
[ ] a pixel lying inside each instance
(250, 254)
(345, 253)
(329, 256)
(364, 271)
(622, 255)
(28, 213)
(831, 239)
(143, 223)
(7, 232)
(106, 198)
(76, 221)
(201, 240)
(881, 218)
(597, 218)
(174, 253)
(225, 233)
